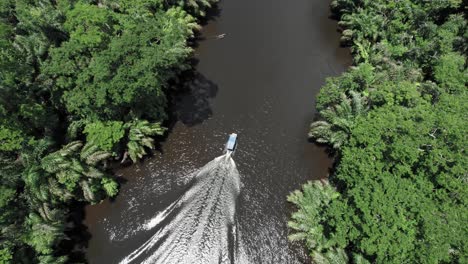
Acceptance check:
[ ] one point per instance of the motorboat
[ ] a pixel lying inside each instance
(232, 142)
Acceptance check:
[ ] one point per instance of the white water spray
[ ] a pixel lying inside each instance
(200, 226)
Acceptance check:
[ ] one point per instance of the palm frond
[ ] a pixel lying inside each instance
(359, 259)
(148, 142)
(96, 157)
(71, 148)
(338, 120)
(92, 172)
(359, 103)
(58, 191)
(88, 150)
(75, 128)
(332, 256)
(54, 162)
(87, 192)
(306, 221)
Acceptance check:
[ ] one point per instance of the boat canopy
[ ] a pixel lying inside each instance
(231, 144)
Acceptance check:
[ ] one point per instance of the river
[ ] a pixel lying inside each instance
(259, 81)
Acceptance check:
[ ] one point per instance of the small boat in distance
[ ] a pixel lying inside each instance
(231, 143)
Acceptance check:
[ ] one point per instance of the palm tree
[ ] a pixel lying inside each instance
(88, 194)
(48, 213)
(34, 46)
(91, 155)
(343, 6)
(139, 137)
(361, 25)
(339, 120)
(43, 187)
(74, 128)
(359, 259)
(200, 6)
(73, 172)
(43, 235)
(306, 221)
(49, 259)
(10, 170)
(75, 167)
(332, 256)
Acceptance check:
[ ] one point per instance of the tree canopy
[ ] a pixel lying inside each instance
(81, 81)
(398, 192)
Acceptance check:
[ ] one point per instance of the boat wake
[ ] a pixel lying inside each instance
(200, 226)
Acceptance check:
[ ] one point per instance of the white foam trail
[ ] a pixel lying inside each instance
(160, 217)
(200, 226)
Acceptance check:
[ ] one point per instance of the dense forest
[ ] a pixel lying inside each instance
(397, 124)
(82, 83)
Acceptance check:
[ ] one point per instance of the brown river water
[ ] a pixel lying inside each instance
(259, 81)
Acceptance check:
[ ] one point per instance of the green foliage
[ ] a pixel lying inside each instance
(104, 134)
(10, 139)
(309, 223)
(306, 222)
(357, 79)
(78, 80)
(43, 236)
(400, 174)
(450, 72)
(333, 256)
(6, 196)
(339, 120)
(5, 256)
(139, 137)
(405, 93)
(404, 172)
(110, 186)
(50, 259)
(117, 65)
(75, 167)
(414, 164)
(90, 26)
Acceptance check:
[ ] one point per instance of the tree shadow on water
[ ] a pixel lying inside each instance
(189, 98)
(191, 101)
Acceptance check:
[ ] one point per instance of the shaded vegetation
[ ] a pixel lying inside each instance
(399, 192)
(81, 82)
